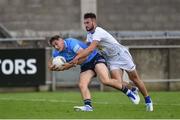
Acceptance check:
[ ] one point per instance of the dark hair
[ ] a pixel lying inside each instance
(56, 37)
(89, 15)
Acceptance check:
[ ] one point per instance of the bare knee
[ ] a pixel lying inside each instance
(134, 77)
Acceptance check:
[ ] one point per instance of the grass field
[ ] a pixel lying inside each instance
(108, 105)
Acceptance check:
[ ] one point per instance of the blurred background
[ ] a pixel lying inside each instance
(150, 29)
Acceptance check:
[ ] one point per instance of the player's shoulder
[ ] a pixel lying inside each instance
(70, 41)
(99, 29)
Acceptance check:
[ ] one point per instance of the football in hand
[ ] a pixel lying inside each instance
(58, 61)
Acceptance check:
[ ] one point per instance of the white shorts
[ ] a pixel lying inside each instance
(122, 60)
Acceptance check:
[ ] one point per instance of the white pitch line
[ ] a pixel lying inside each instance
(38, 100)
(68, 101)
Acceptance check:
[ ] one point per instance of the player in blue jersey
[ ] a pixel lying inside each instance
(93, 64)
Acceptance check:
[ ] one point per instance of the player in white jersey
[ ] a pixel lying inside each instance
(117, 56)
(111, 50)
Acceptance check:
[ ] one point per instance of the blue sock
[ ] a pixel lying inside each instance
(148, 99)
(87, 102)
(133, 89)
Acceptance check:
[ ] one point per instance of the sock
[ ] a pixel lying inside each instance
(148, 99)
(87, 102)
(124, 90)
(133, 89)
(128, 92)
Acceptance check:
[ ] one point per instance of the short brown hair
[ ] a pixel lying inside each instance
(56, 37)
(89, 15)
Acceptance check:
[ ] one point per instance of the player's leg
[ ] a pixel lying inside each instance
(125, 61)
(118, 75)
(103, 73)
(133, 75)
(85, 78)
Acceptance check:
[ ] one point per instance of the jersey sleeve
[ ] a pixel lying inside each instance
(97, 35)
(75, 46)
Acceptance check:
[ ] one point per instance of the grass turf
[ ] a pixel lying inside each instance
(108, 105)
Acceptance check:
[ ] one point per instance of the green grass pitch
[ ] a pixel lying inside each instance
(108, 105)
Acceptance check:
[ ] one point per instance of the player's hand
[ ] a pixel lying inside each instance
(74, 61)
(53, 68)
(67, 66)
(62, 68)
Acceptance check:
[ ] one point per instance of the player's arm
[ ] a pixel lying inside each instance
(84, 53)
(77, 49)
(67, 66)
(81, 60)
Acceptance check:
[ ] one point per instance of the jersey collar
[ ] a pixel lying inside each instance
(93, 31)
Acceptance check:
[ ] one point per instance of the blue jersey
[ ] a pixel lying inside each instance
(71, 49)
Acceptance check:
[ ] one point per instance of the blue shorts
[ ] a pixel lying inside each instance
(91, 64)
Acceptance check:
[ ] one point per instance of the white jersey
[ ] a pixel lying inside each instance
(109, 47)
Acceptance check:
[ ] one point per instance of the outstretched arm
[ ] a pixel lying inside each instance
(85, 52)
(69, 65)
